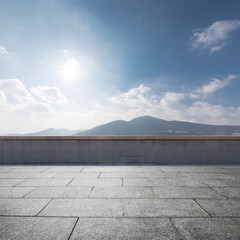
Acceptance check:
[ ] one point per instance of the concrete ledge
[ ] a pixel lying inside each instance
(115, 150)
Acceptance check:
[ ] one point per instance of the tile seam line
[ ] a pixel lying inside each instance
(107, 198)
(126, 198)
(218, 192)
(46, 186)
(69, 182)
(44, 207)
(90, 192)
(31, 216)
(230, 185)
(29, 192)
(195, 200)
(44, 170)
(176, 230)
(132, 217)
(73, 228)
(16, 185)
(53, 176)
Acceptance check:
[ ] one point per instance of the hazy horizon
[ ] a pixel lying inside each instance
(147, 122)
(78, 64)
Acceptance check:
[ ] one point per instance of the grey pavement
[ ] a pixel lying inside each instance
(119, 202)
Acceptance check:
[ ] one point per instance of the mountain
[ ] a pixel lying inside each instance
(53, 132)
(150, 126)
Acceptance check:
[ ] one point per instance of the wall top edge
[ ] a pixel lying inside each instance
(119, 137)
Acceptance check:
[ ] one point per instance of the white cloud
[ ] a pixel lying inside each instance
(16, 90)
(141, 101)
(216, 48)
(51, 95)
(204, 112)
(216, 84)
(193, 95)
(134, 97)
(3, 50)
(22, 111)
(214, 37)
(170, 105)
(3, 97)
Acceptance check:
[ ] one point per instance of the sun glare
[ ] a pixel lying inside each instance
(69, 70)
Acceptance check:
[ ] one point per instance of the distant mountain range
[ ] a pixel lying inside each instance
(54, 132)
(144, 126)
(51, 132)
(150, 126)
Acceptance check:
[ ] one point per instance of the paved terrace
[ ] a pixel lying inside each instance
(119, 202)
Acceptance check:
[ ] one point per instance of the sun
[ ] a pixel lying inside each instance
(69, 70)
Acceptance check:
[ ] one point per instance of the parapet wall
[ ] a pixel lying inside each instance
(120, 150)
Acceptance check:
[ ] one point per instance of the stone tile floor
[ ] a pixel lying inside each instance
(119, 202)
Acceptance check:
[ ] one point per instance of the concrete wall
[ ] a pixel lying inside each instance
(119, 150)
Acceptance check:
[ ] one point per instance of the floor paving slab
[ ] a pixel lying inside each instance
(9, 182)
(35, 228)
(25, 166)
(60, 192)
(221, 207)
(170, 175)
(187, 182)
(122, 175)
(45, 182)
(96, 182)
(27, 170)
(208, 229)
(232, 170)
(27, 175)
(214, 182)
(236, 176)
(182, 169)
(122, 192)
(4, 170)
(185, 192)
(229, 192)
(130, 168)
(143, 182)
(233, 183)
(195, 182)
(21, 206)
(205, 176)
(64, 169)
(124, 228)
(142, 169)
(199, 169)
(84, 208)
(162, 208)
(77, 175)
(102, 169)
(14, 192)
(182, 182)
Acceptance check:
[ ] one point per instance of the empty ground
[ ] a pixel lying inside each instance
(119, 202)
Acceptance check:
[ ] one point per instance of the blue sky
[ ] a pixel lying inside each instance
(79, 63)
